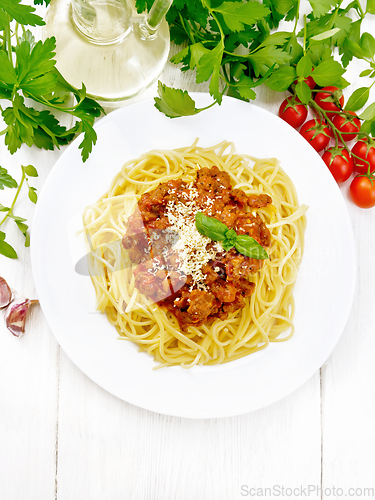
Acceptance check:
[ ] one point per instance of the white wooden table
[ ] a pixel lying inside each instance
(64, 438)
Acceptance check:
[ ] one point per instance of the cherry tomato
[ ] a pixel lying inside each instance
(362, 191)
(316, 133)
(349, 129)
(326, 98)
(294, 113)
(340, 165)
(360, 165)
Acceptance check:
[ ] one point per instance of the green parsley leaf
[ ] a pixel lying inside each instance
(244, 88)
(89, 140)
(237, 14)
(35, 67)
(7, 73)
(197, 50)
(6, 180)
(174, 102)
(285, 6)
(266, 57)
(321, 7)
(209, 66)
(4, 20)
(23, 14)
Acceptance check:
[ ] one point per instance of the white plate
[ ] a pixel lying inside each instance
(324, 289)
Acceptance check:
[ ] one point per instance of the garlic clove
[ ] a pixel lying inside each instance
(15, 316)
(5, 293)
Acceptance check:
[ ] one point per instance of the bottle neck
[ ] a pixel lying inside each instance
(102, 22)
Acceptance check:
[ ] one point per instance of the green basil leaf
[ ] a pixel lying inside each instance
(227, 245)
(328, 72)
(304, 67)
(358, 99)
(368, 113)
(7, 250)
(325, 34)
(250, 247)
(210, 227)
(366, 72)
(231, 235)
(354, 48)
(22, 226)
(303, 92)
(30, 170)
(281, 79)
(370, 8)
(368, 45)
(33, 197)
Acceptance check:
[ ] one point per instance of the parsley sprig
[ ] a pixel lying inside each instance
(7, 180)
(232, 45)
(28, 73)
(218, 231)
(27, 70)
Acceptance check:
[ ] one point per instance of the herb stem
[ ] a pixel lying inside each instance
(10, 211)
(362, 14)
(9, 40)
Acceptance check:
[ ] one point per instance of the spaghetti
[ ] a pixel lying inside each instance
(267, 315)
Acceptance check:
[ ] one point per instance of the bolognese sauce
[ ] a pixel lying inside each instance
(183, 271)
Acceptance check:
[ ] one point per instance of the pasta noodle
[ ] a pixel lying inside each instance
(269, 311)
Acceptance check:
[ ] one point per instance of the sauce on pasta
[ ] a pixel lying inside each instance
(219, 283)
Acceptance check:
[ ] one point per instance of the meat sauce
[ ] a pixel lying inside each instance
(158, 272)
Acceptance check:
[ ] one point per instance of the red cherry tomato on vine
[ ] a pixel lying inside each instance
(362, 191)
(360, 165)
(325, 99)
(340, 166)
(293, 113)
(349, 129)
(316, 133)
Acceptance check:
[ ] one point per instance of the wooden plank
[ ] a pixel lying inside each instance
(109, 449)
(28, 365)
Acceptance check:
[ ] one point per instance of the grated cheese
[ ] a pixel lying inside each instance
(191, 244)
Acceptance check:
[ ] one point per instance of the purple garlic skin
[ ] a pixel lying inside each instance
(15, 316)
(5, 293)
